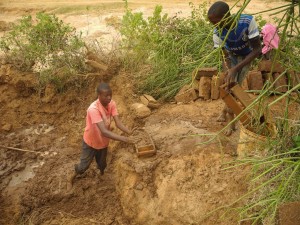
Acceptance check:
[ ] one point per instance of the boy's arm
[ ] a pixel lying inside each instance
(120, 125)
(255, 43)
(107, 133)
(256, 46)
(226, 64)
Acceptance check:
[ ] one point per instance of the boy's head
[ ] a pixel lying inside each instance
(104, 93)
(218, 12)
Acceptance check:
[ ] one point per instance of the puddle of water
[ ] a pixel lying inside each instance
(24, 175)
(21, 176)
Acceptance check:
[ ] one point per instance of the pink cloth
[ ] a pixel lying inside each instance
(270, 38)
(95, 114)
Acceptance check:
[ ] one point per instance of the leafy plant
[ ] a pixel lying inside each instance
(170, 47)
(45, 45)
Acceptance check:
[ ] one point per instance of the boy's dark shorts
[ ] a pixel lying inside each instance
(240, 76)
(86, 158)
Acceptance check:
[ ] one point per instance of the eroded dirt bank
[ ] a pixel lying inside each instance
(181, 184)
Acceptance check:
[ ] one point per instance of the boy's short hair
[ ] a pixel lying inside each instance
(103, 87)
(218, 9)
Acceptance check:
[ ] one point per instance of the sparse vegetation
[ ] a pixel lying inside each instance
(47, 46)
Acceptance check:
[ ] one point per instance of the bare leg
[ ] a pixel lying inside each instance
(231, 127)
(70, 180)
(222, 117)
(87, 155)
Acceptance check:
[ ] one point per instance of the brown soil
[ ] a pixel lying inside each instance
(33, 186)
(182, 184)
(289, 213)
(141, 138)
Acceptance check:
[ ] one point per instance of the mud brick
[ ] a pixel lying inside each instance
(186, 94)
(205, 87)
(245, 84)
(215, 84)
(149, 101)
(144, 100)
(266, 66)
(280, 85)
(206, 72)
(255, 81)
(140, 110)
(294, 78)
(196, 85)
(222, 77)
(268, 77)
(289, 213)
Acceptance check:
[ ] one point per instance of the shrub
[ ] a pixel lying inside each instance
(171, 47)
(44, 45)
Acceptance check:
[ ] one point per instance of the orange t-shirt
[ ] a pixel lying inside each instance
(92, 135)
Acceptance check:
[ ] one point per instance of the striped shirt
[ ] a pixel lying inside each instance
(237, 41)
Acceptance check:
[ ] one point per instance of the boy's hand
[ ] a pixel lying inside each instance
(132, 140)
(132, 130)
(229, 75)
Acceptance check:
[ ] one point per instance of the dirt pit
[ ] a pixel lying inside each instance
(133, 190)
(182, 184)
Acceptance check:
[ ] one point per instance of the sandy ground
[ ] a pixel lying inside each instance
(181, 184)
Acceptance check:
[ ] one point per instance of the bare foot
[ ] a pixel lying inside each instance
(70, 181)
(221, 118)
(228, 132)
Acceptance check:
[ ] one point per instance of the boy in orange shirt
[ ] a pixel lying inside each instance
(97, 132)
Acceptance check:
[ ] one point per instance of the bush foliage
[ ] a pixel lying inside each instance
(172, 47)
(45, 45)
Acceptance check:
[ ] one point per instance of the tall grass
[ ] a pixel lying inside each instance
(171, 47)
(276, 176)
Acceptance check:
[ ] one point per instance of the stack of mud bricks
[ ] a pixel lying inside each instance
(205, 85)
(270, 71)
(207, 81)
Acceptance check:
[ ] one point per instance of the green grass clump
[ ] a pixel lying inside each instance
(171, 47)
(275, 179)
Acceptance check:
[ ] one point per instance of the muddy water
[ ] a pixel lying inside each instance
(21, 176)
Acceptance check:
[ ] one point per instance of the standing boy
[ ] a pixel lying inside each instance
(97, 132)
(242, 45)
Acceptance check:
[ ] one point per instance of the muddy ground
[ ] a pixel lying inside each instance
(181, 184)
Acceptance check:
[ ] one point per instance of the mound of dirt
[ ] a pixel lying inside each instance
(184, 181)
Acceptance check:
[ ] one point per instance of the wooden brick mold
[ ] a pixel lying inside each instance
(145, 145)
